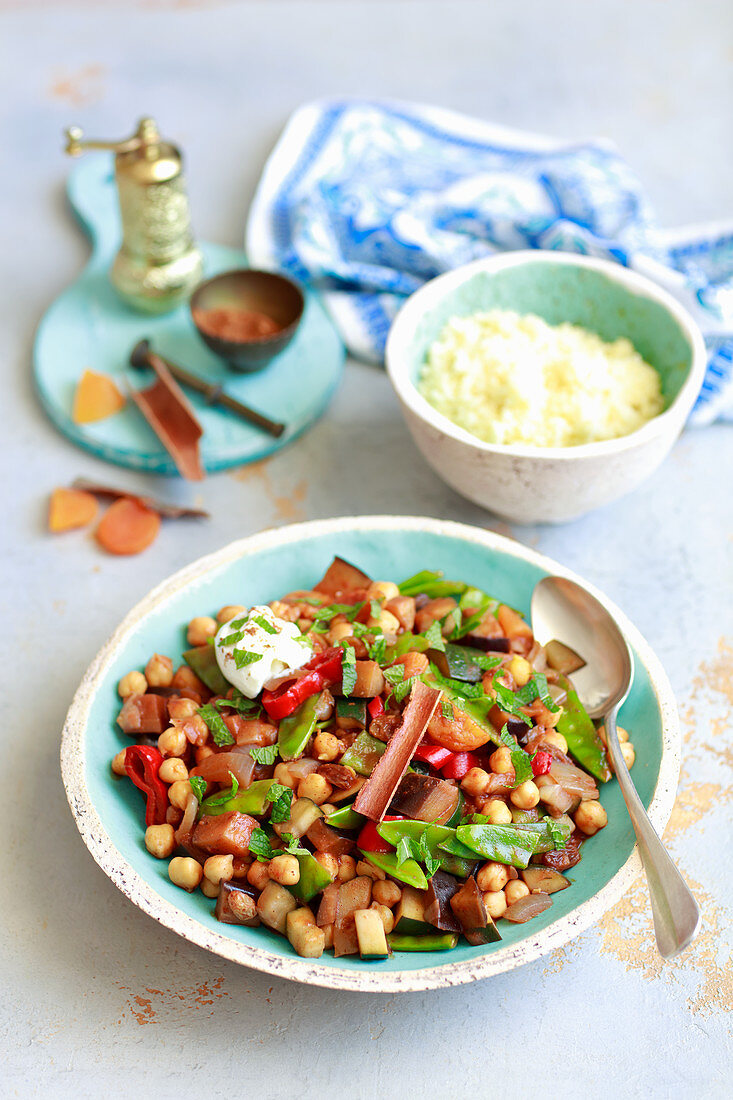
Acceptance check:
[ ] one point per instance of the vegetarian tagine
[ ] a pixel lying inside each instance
(367, 767)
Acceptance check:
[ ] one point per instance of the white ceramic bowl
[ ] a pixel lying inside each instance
(548, 484)
(109, 811)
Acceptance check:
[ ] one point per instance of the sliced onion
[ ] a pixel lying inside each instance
(301, 768)
(557, 694)
(557, 799)
(216, 768)
(574, 780)
(527, 907)
(188, 822)
(290, 674)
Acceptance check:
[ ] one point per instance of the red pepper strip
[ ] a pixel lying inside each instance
(541, 763)
(460, 765)
(433, 754)
(369, 839)
(324, 669)
(375, 707)
(142, 763)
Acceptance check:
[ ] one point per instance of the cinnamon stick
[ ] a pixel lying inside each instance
(169, 413)
(168, 511)
(378, 791)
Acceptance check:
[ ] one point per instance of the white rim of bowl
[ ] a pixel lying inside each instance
(419, 304)
(294, 968)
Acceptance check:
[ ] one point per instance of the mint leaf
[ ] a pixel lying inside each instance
(395, 674)
(224, 796)
(434, 637)
(250, 708)
(446, 709)
(244, 657)
(198, 786)
(292, 844)
(407, 849)
(522, 764)
(485, 661)
(431, 863)
(375, 609)
(264, 754)
(217, 725)
(536, 688)
(259, 846)
(348, 669)
(263, 623)
(559, 839)
(281, 798)
(232, 639)
(507, 739)
(377, 649)
(456, 687)
(403, 689)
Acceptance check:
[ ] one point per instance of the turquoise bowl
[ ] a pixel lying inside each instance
(109, 811)
(529, 484)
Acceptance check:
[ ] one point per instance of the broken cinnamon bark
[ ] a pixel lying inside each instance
(170, 415)
(168, 511)
(378, 791)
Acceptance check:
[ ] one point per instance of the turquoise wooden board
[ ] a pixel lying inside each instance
(89, 326)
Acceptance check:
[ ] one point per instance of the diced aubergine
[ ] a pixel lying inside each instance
(273, 906)
(353, 895)
(303, 813)
(468, 905)
(562, 658)
(202, 660)
(370, 680)
(225, 834)
(438, 912)
(431, 942)
(479, 936)
(327, 908)
(236, 904)
(543, 880)
(325, 839)
(351, 714)
(342, 576)
(409, 914)
(423, 798)
(370, 934)
(457, 663)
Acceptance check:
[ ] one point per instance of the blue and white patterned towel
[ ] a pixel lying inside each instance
(367, 200)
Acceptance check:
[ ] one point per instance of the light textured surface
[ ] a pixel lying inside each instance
(97, 999)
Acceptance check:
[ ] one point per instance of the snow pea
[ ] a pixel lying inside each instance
(541, 829)
(202, 660)
(584, 744)
(409, 871)
(313, 878)
(346, 817)
(501, 843)
(363, 754)
(296, 730)
(252, 801)
(458, 861)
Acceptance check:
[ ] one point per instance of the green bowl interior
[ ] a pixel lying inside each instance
(263, 576)
(564, 292)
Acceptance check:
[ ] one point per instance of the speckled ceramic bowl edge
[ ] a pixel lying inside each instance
(116, 867)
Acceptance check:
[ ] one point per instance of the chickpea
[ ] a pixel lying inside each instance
(364, 867)
(590, 817)
(316, 787)
(385, 914)
(386, 621)
(258, 875)
(202, 752)
(173, 769)
(501, 761)
(497, 812)
(118, 762)
(326, 747)
(172, 742)
(179, 794)
(133, 683)
(382, 590)
(201, 629)
(347, 869)
(552, 737)
(210, 889)
(495, 903)
(159, 671)
(492, 877)
(228, 612)
(629, 753)
(185, 872)
(475, 782)
(283, 775)
(621, 733)
(515, 890)
(284, 869)
(521, 670)
(328, 863)
(386, 893)
(160, 841)
(219, 869)
(525, 796)
(180, 709)
(339, 631)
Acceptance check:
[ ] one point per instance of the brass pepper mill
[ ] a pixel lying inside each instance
(158, 264)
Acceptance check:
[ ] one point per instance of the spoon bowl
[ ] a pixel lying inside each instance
(564, 611)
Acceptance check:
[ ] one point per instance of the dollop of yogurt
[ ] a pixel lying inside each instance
(256, 647)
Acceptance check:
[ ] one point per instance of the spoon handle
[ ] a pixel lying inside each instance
(674, 909)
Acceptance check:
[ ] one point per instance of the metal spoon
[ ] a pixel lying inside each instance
(564, 611)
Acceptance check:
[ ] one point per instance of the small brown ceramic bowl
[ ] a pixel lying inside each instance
(274, 298)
